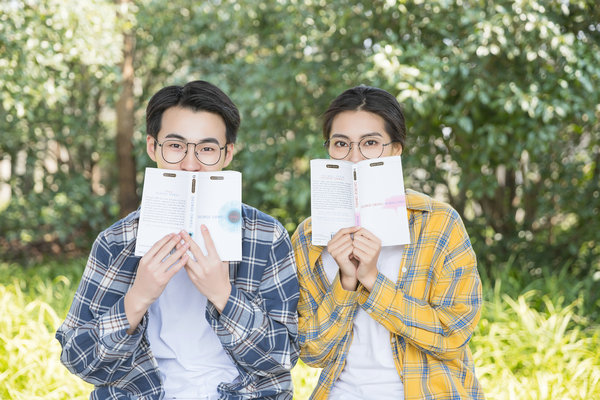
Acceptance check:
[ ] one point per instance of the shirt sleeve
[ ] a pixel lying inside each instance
(261, 332)
(441, 324)
(94, 339)
(325, 312)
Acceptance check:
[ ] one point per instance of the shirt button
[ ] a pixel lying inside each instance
(369, 311)
(404, 269)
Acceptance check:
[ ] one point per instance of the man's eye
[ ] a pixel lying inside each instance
(206, 149)
(175, 146)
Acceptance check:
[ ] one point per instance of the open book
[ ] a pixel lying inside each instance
(369, 193)
(182, 200)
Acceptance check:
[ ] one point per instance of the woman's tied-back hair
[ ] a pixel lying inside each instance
(373, 100)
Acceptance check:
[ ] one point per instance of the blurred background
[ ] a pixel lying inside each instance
(502, 104)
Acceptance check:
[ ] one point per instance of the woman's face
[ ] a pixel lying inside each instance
(358, 135)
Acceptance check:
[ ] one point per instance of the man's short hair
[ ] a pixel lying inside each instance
(196, 96)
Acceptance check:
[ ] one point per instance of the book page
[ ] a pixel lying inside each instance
(219, 207)
(332, 199)
(382, 199)
(166, 199)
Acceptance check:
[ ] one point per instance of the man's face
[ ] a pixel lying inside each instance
(180, 126)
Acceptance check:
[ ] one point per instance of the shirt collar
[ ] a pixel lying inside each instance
(418, 201)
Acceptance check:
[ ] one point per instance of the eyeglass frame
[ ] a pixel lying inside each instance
(328, 141)
(187, 144)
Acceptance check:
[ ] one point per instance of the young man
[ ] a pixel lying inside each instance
(171, 326)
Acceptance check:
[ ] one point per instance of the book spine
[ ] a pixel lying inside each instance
(355, 188)
(190, 228)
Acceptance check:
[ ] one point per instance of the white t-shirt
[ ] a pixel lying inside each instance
(369, 372)
(191, 359)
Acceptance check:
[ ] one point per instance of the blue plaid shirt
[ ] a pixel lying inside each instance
(257, 328)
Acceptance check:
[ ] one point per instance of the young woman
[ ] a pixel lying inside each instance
(388, 322)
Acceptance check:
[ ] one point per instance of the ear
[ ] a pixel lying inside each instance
(396, 149)
(151, 147)
(228, 154)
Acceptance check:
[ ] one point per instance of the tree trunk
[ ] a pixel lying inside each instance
(128, 199)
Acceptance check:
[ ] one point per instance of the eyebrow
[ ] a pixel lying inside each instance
(179, 137)
(339, 135)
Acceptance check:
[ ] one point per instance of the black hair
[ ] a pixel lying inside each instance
(373, 100)
(196, 96)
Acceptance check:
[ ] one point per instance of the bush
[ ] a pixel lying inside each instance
(527, 346)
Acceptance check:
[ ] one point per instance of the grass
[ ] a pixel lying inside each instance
(521, 351)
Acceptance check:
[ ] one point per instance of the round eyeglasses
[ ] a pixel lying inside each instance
(174, 151)
(369, 147)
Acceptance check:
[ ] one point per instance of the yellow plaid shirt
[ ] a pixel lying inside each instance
(430, 311)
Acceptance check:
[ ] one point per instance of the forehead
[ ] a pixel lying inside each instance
(194, 126)
(355, 124)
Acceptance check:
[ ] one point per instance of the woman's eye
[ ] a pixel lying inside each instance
(340, 143)
(370, 142)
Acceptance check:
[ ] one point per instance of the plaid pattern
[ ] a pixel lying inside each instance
(257, 328)
(431, 311)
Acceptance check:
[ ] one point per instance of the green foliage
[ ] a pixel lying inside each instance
(305, 379)
(523, 353)
(526, 346)
(32, 305)
(499, 96)
(504, 113)
(57, 78)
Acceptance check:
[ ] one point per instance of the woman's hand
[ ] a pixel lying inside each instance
(341, 248)
(366, 250)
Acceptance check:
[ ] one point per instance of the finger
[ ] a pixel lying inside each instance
(340, 250)
(362, 232)
(368, 239)
(343, 250)
(225, 265)
(178, 253)
(360, 254)
(366, 243)
(194, 247)
(174, 268)
(339, 241)
(211, 250)
(166, 248)
(158, 245)
(345, 231)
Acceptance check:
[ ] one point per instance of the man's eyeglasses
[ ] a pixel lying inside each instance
(369, 147)
(174, 151)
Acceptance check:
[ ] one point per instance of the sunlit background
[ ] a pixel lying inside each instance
(502, 103)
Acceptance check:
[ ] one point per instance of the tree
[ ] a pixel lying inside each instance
(506, 115)
(56, 80)
(128, 199)
(499, 97)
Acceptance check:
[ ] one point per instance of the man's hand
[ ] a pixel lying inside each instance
(209, 274)
(155, 270)
(341, 247)
(366, 250)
